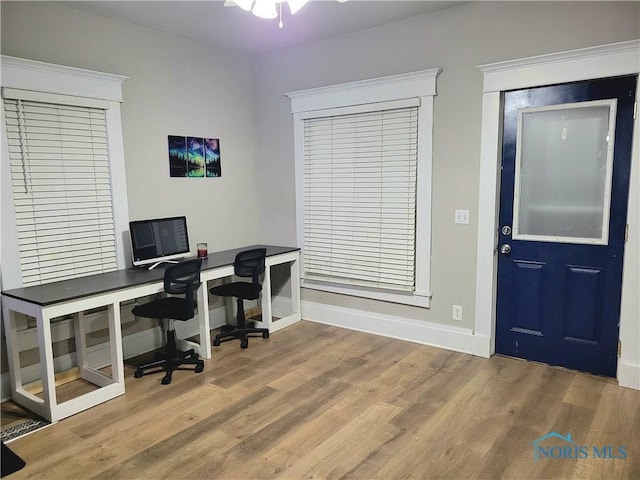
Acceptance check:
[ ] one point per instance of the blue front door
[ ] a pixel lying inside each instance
(566, 156)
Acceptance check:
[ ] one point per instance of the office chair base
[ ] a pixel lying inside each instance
(172, 360)
(240, 334)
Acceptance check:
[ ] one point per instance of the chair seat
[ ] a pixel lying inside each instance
(244, 290)
(169, 307)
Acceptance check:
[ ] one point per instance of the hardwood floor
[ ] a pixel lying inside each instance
(315, 401)
(13, 414)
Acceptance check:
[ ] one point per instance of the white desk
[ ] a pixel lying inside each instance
(48, 301)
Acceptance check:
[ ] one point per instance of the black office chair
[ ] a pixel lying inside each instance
(180, 279)
(249, 263)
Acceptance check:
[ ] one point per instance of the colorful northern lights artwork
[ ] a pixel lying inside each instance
(177, 156)
(194, 157)
(212, 157)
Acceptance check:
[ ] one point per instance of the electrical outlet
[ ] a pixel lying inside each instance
(457, 313)
(462, 217)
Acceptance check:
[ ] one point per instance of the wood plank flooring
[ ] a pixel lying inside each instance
(315, 401)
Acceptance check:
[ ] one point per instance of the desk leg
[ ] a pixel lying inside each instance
(293, 315)
(266, 299)
(203, 319)
(115, 337)
(43, 322)
(294, 276)
(13, 354)
(81, 341)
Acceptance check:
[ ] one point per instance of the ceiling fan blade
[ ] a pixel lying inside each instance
(243, 4)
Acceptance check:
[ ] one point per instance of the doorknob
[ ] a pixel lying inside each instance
(505, 249)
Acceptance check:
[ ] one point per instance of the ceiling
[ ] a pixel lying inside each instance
(211, 22)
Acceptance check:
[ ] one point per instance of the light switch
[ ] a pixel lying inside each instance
(462, 217)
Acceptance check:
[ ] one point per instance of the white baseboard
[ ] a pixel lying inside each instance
(628, 375)
(481, 346)
(426, 333)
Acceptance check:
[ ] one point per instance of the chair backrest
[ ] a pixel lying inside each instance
(183, 278)
(250, 263)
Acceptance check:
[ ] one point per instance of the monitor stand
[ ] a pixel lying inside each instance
(160, 262)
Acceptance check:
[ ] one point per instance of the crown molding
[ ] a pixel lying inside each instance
(614, 59)
(393, 87)
(50, 78)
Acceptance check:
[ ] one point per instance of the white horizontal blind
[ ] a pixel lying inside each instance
(62, 190)
(360, 198)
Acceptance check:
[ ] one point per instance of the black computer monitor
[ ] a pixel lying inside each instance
(159, 240)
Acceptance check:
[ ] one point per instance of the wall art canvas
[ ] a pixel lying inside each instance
(194, 157)
(177, 156)
(212, 157)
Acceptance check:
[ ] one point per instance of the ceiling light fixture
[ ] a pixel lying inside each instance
(267, 8)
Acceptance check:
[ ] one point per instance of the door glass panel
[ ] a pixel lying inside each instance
(564, 158)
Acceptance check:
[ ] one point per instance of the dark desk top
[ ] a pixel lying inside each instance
(65, 290)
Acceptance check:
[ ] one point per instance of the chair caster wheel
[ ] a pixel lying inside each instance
(244, 343)
(265, 334)
(199, 367)
(138, 373)
(166, 380)
(216, 342)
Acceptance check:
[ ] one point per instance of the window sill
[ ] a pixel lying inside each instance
(416, 299)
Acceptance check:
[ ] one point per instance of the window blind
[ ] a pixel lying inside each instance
(360, 198)
(62, 189)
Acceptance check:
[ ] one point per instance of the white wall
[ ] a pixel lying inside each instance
(455, 39)
(176, 87)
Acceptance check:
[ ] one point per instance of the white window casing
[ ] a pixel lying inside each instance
(363, 154)
(62, 183)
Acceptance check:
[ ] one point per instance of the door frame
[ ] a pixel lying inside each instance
(584, 64)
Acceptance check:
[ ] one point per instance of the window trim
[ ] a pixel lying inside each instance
(48, 78)
(361, 96)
